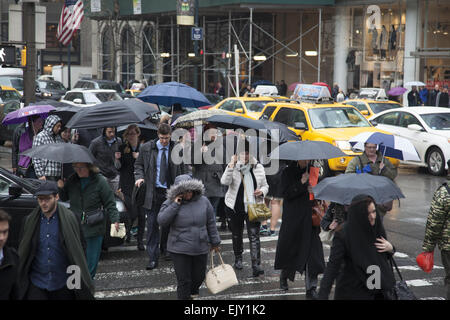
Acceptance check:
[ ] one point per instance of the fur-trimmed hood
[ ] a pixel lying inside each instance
(184, 183)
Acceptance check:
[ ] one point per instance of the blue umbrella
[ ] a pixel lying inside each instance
(168, 93)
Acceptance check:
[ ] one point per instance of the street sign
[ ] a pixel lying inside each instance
(196, 33)
(8, 55)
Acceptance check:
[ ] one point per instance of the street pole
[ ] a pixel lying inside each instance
(29, 36)
(236, 68)
(68, 65)
(196, 50)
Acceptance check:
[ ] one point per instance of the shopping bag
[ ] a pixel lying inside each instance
(118, 234)
(221, 277)
(425, 261)
(313, 179)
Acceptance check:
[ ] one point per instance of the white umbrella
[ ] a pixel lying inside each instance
(415, 84)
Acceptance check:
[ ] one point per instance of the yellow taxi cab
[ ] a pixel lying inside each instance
(323, 120)
(369, 107)
(134, 93)
(248, 107)
(8, 94)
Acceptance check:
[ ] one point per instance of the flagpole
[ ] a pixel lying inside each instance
(68, 63)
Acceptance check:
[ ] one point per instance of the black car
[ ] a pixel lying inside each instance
(51, 89)
(102, 84)
(17, 198)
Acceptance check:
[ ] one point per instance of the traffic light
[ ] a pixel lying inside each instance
(23, 58)
(201, 52)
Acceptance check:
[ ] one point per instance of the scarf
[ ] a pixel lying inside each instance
(249, 188)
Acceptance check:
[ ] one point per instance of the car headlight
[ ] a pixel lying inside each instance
(47, 94)
(343, 145)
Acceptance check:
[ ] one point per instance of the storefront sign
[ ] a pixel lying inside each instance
(96, 6)
(185, 12)
(137, 7)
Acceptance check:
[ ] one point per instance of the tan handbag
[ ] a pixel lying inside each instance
(221, 277)
(257, 211)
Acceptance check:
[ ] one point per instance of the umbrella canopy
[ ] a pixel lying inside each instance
(344, 187)
(50, 102)
(323, 84)
(168, 93)
(61, 152)
(235, 122)
(397, 91)
(292, 86)
(66, 112)
(196, 118)
(283, 134)
(262, 83)
(388, 144)
(415, 83)
(21, 115)
(306, 150)
(113, 114)
(148, 129)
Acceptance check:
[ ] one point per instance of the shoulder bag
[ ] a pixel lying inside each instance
(400, 291)
(256, 211)
(91, 217)
(221, 277)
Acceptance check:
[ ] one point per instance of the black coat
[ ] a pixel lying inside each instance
(298, 241)
(126, 170)
(350, 283)
(8, 274)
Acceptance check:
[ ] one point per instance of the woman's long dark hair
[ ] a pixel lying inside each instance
(361, 238)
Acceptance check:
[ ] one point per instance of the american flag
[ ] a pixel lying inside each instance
(71, 16)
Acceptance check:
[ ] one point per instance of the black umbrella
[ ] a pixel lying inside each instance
(227, 121)
(148, 129)
(54, 103)
(66, 112)
(344, 187)
(306, 150)
(113, 114)
(283, 134)
(61, 152)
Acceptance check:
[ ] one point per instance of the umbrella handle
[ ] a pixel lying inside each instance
(382, 158)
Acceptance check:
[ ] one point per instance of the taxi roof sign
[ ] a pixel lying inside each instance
(310, 91)
(372, 93)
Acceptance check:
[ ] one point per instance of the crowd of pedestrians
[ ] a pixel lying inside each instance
(178, 204)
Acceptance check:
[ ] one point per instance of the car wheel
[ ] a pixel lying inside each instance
(436, 162)
(324, 169)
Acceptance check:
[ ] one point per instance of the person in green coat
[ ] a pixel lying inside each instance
(87, 191)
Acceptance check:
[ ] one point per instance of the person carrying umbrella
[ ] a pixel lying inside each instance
(48, 169)
(23, 140)
(373, 162)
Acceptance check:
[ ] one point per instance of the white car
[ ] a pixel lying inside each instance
(87, 98)
(428, 128)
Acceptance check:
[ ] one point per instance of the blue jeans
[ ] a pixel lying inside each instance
(93, 251)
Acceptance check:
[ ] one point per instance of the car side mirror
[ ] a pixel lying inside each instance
(240, 110)
(15, 190)
(373, 122)
(415, 127)
(365, 112)
(299, 126)
(77, 101)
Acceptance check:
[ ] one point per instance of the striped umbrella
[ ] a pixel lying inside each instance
(196, 118)
(388, 144)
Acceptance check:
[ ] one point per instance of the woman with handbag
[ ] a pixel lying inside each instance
(247, 186)
(299, 248)
(90, 198)
(358, 249)
(193, 231)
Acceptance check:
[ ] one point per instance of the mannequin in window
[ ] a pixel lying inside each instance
(383, 42)
(374, 43)
(392, 38)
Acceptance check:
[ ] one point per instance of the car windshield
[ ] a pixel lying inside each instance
(255, 106)
(378, 107)
(111, 86)
(8, 95)
(16, 83)
(336, 118)
(51, 85)
(103, 97)
(437, 121)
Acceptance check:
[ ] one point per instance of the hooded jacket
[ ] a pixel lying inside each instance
(192, 223)
(46, 136)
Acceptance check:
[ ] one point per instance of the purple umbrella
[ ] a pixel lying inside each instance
(397, 91)
(21, 115)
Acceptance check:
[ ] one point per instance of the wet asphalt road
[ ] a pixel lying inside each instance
(122, 275)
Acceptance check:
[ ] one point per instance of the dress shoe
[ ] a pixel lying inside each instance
(257, 271)
(238, 264)
(140, 247)
(284, 284)
(152, 265)
(311, 294)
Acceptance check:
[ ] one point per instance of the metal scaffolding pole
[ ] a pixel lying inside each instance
(250, 48)
(158, 54)
(229, 53)
(300, 50)
(172, 52)
(204, 56)
(320, 44)
(178, 53)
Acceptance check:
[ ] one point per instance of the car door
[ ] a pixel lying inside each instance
(361, 106)
(420, 139)
(388, 122)
(18, 208)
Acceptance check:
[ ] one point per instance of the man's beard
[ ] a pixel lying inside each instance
(50, 209)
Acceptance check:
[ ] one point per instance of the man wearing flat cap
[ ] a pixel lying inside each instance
(52, 259)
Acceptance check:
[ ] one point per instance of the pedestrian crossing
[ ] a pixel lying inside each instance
(121, 274)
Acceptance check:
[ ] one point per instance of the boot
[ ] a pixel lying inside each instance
(255, 251)
(283, 280)
(238, 263)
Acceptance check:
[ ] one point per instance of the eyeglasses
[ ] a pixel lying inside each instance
(371, 147)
